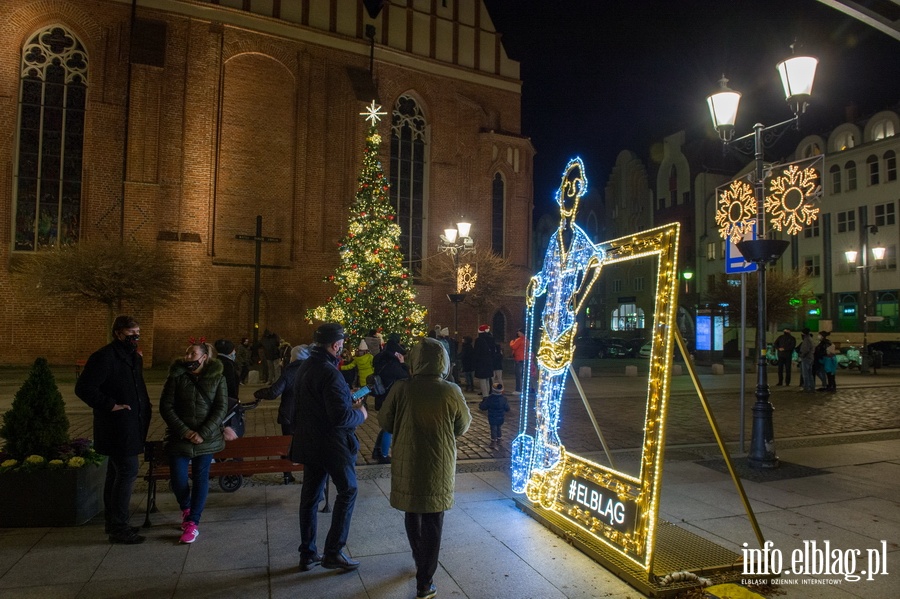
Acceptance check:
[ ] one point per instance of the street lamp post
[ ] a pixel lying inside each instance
(863, 268)
(457, 242)
(797, 74)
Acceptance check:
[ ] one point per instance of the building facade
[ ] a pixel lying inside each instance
(175, 123)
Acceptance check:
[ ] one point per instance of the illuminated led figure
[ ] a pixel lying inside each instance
(571, 266)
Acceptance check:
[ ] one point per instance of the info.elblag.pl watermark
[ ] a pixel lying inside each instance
(816, 558)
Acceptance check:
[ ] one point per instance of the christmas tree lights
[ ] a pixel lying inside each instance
(374, 290)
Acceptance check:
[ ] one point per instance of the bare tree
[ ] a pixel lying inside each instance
(497, 278)
(781, 288)
(106, 272)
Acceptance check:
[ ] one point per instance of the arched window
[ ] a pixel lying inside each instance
(872, 168)
(890, 166)
(882, 130)
(408, 173)
(498, 213)
(850, 167)
(52, 99)
(835, 179)
(627, 317)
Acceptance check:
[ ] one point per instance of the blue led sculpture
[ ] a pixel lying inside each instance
(571, 266)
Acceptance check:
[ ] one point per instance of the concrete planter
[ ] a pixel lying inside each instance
(63, 497)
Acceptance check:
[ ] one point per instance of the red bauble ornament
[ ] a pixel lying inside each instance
(376, 250)
(390, 217)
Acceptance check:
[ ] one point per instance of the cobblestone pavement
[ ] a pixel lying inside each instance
(863, 403)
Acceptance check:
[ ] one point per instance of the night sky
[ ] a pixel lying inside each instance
(601, 76)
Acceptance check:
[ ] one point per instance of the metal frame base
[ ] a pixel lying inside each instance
(676, 550)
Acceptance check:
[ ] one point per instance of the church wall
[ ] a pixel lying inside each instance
(239, 123)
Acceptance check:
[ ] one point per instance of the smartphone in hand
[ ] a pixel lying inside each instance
(360, 393)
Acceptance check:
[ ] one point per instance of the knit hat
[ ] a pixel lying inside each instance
(363, 346)
(224, 346)
(300, 352)
(497, 387)
(329, 333)
(484, 329)
(445, 332)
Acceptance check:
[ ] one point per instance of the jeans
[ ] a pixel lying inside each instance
(424, 534)
(520, 372)
(343, 473)
(809, 382)
(485, 386)
(383, 443)
(121, 472)
(191, 497)
(470, 380)
(495, 431)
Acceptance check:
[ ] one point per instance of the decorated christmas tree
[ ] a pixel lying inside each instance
(374, 289)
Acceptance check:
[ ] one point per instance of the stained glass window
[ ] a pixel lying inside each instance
(408, 174)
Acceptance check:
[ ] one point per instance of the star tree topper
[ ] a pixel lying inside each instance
(373, 113)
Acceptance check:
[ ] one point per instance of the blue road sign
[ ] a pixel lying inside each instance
(734, 260)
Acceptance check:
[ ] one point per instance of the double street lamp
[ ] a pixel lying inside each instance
(863, 268)
(797, 74)
(457, 242)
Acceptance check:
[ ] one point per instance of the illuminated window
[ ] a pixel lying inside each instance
(872, 168)
(884, 214)
(882, 130)
(627, 317)
(890, 166)
(52, 100)
(890, 259)
(711, 250)
(835, 179)
(846, 221)
(811, 266)
(845, 141)
(811, 230)
(498, 196)
(408, 173)
(850, 167)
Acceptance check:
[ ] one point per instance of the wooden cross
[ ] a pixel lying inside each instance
(259, 239)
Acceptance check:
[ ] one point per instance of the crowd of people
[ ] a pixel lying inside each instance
(421, 412)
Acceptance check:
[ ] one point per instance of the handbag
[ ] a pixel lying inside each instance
(376, 385)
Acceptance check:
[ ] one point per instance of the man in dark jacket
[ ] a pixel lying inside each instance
(785, 345)
(485, 350)
(225, 349)
(112, 384)
(325, 443)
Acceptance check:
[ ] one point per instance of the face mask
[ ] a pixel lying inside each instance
(232, 355)
(192, 366)
(131, 341)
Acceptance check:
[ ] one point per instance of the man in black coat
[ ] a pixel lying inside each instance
(112, 384)
(325, 443)
(785, 345)
(485, 351)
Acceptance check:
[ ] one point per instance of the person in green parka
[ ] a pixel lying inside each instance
(193, 404)
(425, 414)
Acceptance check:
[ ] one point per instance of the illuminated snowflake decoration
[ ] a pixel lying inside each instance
(790, 196)
(373, 113)
(465, 279)
(736, 212)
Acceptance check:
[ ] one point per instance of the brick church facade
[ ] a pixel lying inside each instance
(175, 123)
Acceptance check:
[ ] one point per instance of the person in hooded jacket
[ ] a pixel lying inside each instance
(112, 384)
(426, 414)
(193, 404)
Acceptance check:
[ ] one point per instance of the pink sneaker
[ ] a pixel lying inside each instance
(190, 533)
(184, 517)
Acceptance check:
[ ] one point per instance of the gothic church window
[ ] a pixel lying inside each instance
(52, 100)
(498, 203)
(408, 173)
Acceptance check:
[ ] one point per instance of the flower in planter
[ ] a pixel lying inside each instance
(36, 430)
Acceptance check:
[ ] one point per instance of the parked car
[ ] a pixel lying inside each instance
(633, 347)
(645, 350)
(595, 347)
(890, 352)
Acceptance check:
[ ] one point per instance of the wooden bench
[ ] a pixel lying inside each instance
(244, 456)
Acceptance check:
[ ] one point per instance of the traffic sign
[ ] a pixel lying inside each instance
(734, 260)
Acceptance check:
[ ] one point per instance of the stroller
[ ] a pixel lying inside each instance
(234, 418)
